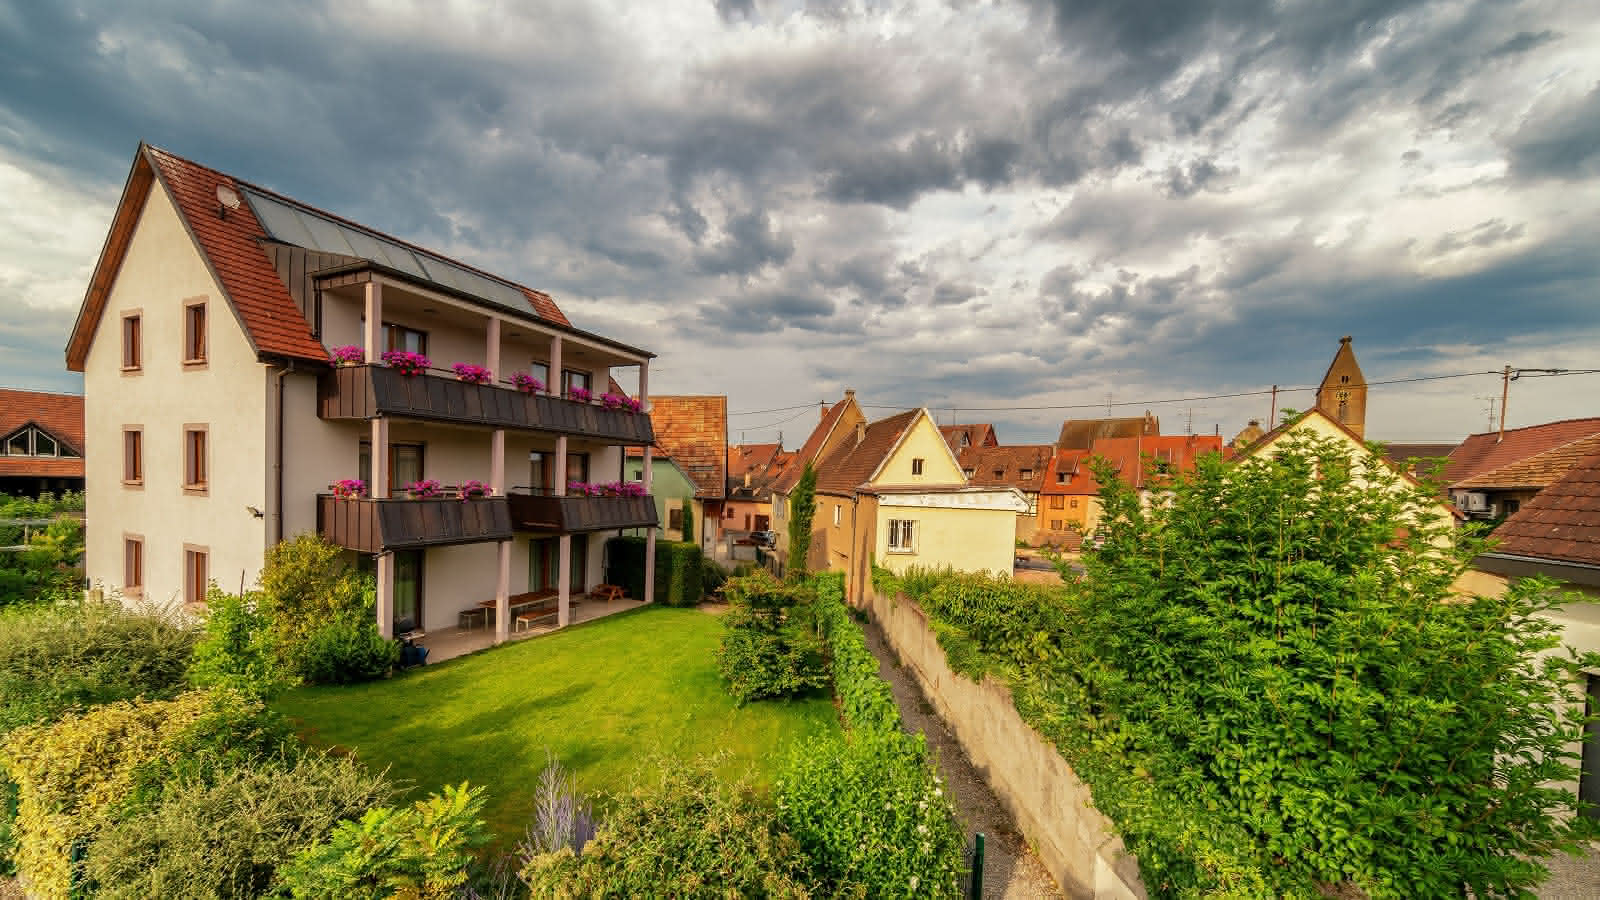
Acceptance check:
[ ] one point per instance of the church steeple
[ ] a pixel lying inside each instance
(1343, 392)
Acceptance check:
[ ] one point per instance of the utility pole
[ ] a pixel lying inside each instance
(1272, 417)
(1108, 404)
(1488, 403)
(1188, 421)
(1505, 394)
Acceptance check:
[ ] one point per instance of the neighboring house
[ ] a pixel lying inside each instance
(41, 442)
(692, 431)
(670, 486)
(1080, 434)
(1557, 534)
(960, 437)
(1507, 489)
(1420, 460)
(838, 423)
(1481, 454)
(752, 471)
(1070, 495)
(216, 426)
(892, 493)
(1023, 468)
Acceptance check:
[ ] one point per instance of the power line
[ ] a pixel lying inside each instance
(776, 424)
(757, 412)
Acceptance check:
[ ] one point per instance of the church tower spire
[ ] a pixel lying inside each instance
(1343, 392)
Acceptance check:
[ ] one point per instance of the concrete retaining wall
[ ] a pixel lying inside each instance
(1044, 796)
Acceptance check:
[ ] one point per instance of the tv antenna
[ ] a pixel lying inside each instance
(227, 198)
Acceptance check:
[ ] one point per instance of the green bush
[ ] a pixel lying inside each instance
(347, 650)
(227, 836)
(687, 836)
(770, 647)
(712, 576)
(421, 851)
(872, 818)
(77, 654)
(53, 561)
(305, 582)
(865, 698)
(89, 771)
(236, 649)
(679, 579)
(802, 509)
(1270, 686)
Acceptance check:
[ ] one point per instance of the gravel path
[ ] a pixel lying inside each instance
(1011, 871)
(1572, 877)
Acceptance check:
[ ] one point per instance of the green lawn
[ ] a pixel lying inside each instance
(605, 697)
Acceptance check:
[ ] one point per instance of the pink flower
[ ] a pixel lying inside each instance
(527, 383)
(406, 363)
(472, 374)
(349, 489)
(349, 355)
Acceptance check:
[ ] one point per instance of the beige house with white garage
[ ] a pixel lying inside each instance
(218, 421)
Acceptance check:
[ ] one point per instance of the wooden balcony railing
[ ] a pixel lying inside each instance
(366, 392)
(373, 526)
(576, 513)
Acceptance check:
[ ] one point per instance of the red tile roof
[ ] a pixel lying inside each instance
(1537, 471)
(1484, 452)
(1080, 434)
(812, 448)
(983, 464)
(1562, 523)
(1397, 454)
(231, 248)
(751, 458)
(853, 462)
(1127, 457)
(980, 435)
(59, 414)
(693, 432)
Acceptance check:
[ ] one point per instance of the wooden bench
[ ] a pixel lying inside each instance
(539, 601)
(607, 592)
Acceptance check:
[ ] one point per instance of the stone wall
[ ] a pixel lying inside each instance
(1050, 805)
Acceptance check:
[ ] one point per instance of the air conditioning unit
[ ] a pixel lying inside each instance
(1475, 502)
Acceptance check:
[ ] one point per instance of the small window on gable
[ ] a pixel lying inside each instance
(194, 332)
(18, 444)
(999, 473)
(968, 472)
(1344, 379)
(1025, 474)
(1061, 478)
(916, 466)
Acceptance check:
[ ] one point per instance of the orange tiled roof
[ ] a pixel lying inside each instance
(1080, 434)
(1537, 471)
(1127, 457)
(693, 431)
(854, 462)
(1562, 523)
(59, 414)
(980, 435)
(1010, 462)
(1484, 452)
(809, 451)
(750, 458)
(231, 247)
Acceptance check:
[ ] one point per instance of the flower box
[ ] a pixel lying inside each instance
(427, 489)
(475, 490)
(405, 362)
(582, 395)
(527, 383)
(349, 489)
(620, 401)
(348, 355)
(472, 374)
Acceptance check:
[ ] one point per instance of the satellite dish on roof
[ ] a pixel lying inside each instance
(227, 198)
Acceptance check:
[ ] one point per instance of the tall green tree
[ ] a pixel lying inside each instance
(688, 521)
(802, 509)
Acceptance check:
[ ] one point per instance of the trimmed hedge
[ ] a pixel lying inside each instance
(865, 698)
(679, 577)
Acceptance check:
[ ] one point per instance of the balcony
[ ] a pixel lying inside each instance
(366, 392)
(575, 513)
(373, 526)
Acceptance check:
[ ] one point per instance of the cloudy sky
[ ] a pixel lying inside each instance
(962, 205)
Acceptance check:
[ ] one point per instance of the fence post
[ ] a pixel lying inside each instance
(976, 890)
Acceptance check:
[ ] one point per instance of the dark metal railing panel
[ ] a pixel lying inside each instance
(371, 526)
(576, 513)
(363, 392)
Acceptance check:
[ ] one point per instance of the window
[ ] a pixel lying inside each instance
(196, 576)
(1074, 503)
(1025, 474)
(902, 536)
(132, 565)
(968, 472)
(675, 518)
(1344, 379)
(399, 337)
(407, 591)
(32, 441)
(1058, 502)
(577, 467)
(405, 465)
(132, 455)
(916, 466)
(999, 473)
(195, 460)
(965, 441)
(540, 371)
(1055, 524)
(573, 379)
(194, 332)
(1061, 478)
(1512, 506)
(132, 343)
(728, 513)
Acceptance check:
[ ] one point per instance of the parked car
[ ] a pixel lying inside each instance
(768, 539)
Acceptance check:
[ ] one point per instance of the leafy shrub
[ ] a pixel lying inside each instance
(687, 836)
(712, 576)
(865, 697)
(679, 579)
(304, 583)
(1270, 685)
(347, 650)
(871, 816)
(236, 650)
(421, 851)
(77, 654)
(769, 646)
(88, 771)
(227, 836)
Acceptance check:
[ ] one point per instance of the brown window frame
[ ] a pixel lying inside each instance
(193, 465)
(196, 334)
(192, 586)
(675, 518)
(916, 465)
(1055, 524)
(132, 564)
(1074, 503)
(132, 363)
(135, 458)
(1058, 502)
(392, 330)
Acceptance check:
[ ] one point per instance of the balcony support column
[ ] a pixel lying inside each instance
(373, 329)
(491, 350)
(564, 582)
(555, 367)
(497, 462)
(502, 595)
(650, 538)
(386, 594)
(379, 488)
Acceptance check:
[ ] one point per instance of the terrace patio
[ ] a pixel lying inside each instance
(449, 643)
